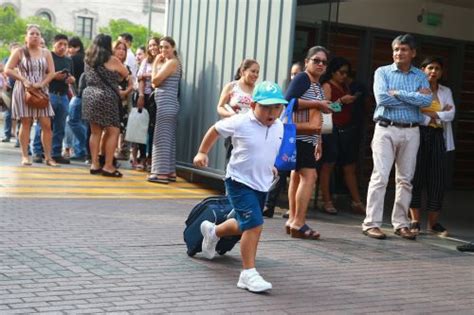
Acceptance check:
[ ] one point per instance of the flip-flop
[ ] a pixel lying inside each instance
(26, 162)
(155, 179)
(115, 173)
(95, 171)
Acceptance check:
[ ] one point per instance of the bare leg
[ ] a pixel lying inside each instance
(293, 187)
(324, 179)
(415, 214)
(94, 145)
(24, 135)
(303, 195)
(351, 181)
(248, 246)
(46, 136)
(228, 228)
(111, 139)
(433, 218)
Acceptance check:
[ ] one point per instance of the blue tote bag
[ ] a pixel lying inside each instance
(286, 158)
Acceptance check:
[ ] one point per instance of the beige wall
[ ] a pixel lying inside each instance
(102, 11)
(401, 15)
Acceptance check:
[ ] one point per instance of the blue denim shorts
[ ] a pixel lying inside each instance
(247, 202)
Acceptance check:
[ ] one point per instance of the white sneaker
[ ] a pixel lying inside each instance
(253, 281)
(210, 240)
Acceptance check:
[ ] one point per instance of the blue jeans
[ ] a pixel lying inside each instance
(60, 105)
(247, 203)
(78, 127)
(7, 118)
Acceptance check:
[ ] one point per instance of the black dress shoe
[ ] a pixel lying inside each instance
(268, 212)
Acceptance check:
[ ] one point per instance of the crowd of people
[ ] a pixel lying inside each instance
(92, 91)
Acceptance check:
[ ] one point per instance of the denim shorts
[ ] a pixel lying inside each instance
(247, 202)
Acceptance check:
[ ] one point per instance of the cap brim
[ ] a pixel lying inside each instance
(273, 101)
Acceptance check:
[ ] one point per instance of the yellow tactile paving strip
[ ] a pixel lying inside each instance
(69, 183)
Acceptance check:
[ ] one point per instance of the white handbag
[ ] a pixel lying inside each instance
(137, 126)
(326, 127)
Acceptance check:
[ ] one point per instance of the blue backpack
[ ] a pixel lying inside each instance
(286, 158)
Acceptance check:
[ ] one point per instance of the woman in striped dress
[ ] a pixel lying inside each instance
(165, 79)
(35, 69)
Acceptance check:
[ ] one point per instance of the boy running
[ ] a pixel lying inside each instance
(256, 137)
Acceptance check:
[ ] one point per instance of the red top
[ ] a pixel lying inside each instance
(344, 117)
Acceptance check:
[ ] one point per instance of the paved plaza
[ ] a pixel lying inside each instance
(73, 243)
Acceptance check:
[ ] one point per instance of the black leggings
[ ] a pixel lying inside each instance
(430, 172)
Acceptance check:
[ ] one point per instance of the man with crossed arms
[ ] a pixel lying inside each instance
(400, 90)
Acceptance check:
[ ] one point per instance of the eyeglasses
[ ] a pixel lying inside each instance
(318, 61)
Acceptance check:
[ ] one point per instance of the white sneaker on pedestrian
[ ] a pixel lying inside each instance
(209, 240)
(253, 281)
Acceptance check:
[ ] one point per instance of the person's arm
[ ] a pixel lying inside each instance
(141, 94)
(129, 88)
(381, 91)
(165, 71)
(449, 111)
(51, 72)
(224, 99)
(114, 64)
(298, 86)
(10, 68)
(327, 91)
(202, 159)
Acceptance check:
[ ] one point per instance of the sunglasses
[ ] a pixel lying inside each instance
(318, 61)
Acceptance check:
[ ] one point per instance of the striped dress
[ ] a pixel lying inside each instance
(163, 158)
(33, 69)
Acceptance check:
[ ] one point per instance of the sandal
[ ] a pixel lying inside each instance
(26, 162)
(415, 227)
(153, 178)
(115, 173)
(329, 208)
(304, 232)
(51, 162)
(172, 179)
(95, 171)
(288, 229)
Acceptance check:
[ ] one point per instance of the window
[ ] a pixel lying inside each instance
(84, 26)
(46, 16)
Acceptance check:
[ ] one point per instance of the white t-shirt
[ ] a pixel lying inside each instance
(131, 63)
(255, 149)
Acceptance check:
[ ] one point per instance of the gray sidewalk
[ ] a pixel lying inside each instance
(127, 256)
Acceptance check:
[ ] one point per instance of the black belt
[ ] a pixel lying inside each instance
(387, 122)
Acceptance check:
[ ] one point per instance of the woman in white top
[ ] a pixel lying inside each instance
(238, 93)
(236, 96)
(436, 137)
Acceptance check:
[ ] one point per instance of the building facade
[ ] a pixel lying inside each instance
(85, 17)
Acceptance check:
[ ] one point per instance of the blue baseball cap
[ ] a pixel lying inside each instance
(268, 93)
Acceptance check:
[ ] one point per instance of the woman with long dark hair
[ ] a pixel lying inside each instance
(101, 101)
(436, 137)
(340, 145)
(146, 99)
(35, 70)
(166, 76)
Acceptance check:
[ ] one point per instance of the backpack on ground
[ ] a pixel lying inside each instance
(216, 209)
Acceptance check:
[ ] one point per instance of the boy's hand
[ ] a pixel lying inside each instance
(274, 171)
(201, 160)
